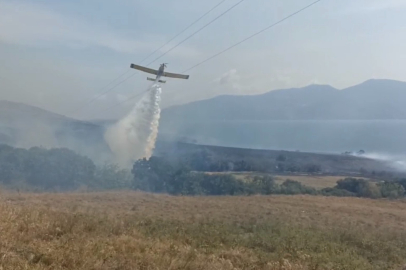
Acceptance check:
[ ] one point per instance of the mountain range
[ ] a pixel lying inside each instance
(371, 100)
(25, 126)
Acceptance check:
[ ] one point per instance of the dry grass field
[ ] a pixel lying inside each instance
(131, 230)
(315, 181)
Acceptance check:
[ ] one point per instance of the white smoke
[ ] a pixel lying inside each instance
(134, 136)
(397, 162)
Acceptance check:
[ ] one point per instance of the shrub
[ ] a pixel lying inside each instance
(264, 185)
(110, 176)
(391, 190)
(157, 175)
(361, 187)
(291, 187)
(337, 192)
(152, 175)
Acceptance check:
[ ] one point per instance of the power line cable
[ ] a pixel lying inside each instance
(126, 100)
(253, 35)
(197, 31)
(234, 45)
(184, 30)
(90, 101)
(190, 36)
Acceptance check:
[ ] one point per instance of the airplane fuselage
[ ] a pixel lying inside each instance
(161, 71)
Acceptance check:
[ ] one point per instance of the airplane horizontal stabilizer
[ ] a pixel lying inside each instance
(150, 79)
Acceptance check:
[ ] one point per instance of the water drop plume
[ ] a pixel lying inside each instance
(134, 136)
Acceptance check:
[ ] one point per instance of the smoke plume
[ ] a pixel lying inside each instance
(397, 162)
(134, 136)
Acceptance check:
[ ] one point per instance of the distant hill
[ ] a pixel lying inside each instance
(269, 160)
(26, 126)
(373, 99)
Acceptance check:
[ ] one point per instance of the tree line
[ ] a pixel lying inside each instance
(64, 170)
(160, 176)
(56, 169)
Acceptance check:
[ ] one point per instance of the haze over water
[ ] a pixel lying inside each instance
(378, 136)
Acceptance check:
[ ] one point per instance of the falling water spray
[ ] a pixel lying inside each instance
(134, 136)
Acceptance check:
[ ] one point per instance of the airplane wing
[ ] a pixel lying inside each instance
(145, 69)
(177, 76)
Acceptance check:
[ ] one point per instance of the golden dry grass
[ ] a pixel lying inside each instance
(131, 230)
(315, 181)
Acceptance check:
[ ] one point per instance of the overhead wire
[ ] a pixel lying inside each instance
(126, 100)
(184, 30)
(234, 45)
(93, 99)
(187, 38)
(255, 34)
(90, 101)
(197, 31)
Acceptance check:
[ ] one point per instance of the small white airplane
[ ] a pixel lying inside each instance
(159, 73)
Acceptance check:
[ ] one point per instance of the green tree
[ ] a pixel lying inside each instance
(200, 161)
(369, 190)
(312, 168)
(11, 164)
(350, 184)
(110, 176)
(222, 184)
(337, 192)
(291, 187)
(391, 190)
(264, 185)
(402, 182)
(152, 175)
(57, 169)
(361, 187)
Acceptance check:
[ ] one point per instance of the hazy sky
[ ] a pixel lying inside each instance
(58, 54)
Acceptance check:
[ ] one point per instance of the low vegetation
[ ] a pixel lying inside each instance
(39, 169)
(158, 175)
